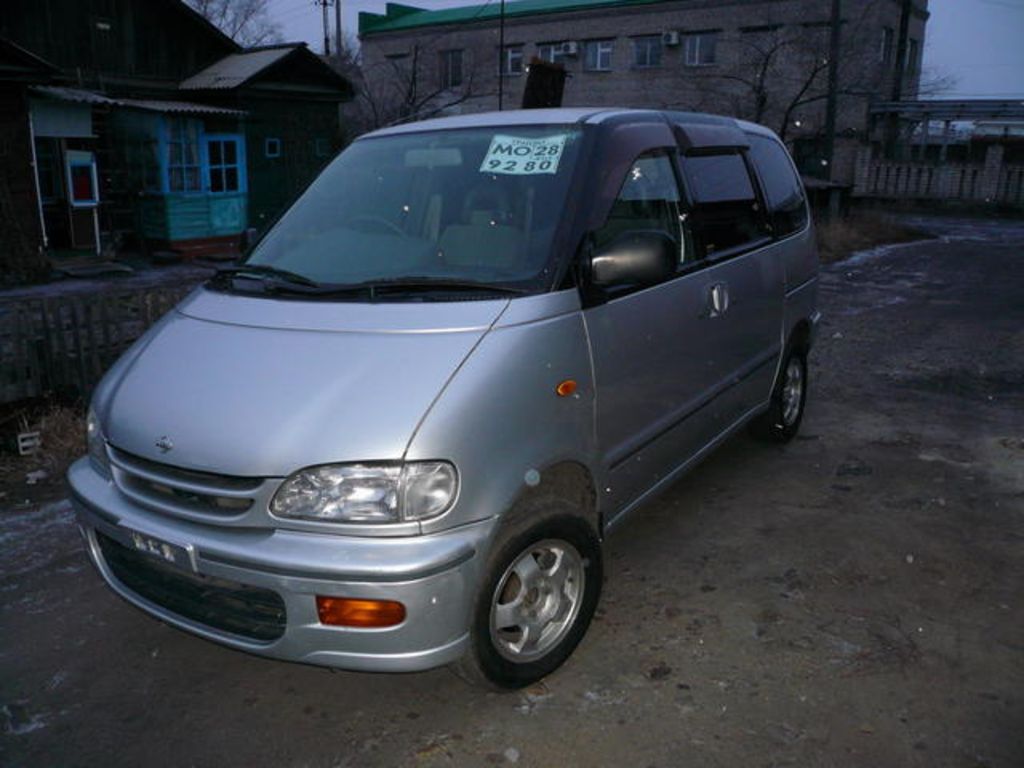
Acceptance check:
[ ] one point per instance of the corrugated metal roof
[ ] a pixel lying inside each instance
(71, 94)
(400, 17)
(235, 69)
(78, 96)
(178, 107)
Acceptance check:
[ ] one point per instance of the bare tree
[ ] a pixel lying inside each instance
(396, 90)
(777, 70)
(247, 22)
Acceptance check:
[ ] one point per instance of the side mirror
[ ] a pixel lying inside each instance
(636, 257)
(248, 239)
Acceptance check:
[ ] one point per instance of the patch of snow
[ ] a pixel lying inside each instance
(35, 537)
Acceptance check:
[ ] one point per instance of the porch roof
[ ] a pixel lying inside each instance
(78, 96)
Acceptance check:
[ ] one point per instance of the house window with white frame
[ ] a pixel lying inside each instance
(647, 51)
(912, 51)
(512, 60)
(885, 49)
(183, 155)
(451, 68)
(555, 53)
(597, 55)
(699, 48)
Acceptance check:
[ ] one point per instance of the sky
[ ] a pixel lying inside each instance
(979, 43)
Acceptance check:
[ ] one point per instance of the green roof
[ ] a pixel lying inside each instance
(398, 17)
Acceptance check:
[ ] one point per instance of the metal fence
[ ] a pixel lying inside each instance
(62, 345)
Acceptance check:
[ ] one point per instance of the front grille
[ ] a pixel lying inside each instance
(250, 612)
(171, 489)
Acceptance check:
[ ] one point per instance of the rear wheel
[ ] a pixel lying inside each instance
(536, 599)
(786, 410)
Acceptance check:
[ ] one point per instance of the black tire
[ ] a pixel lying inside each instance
(541, 525)
(780, 423)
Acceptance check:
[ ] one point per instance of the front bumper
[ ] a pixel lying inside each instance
(434, 576)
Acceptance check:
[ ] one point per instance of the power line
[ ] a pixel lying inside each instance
(1004, 4)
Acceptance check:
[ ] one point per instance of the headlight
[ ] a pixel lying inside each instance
(97, 444)
(368, 493)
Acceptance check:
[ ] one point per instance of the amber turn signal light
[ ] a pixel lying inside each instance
(352, 612)
(565, 388)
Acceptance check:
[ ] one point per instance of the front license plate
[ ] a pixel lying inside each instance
(169, 553)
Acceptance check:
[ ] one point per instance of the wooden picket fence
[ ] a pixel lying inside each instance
(62, 345)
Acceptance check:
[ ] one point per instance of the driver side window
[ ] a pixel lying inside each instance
(649, 200)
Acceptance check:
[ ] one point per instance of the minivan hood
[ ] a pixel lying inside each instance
(261, 387)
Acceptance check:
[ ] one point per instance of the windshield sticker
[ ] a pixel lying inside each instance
(523, 157)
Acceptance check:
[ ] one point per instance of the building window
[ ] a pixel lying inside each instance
(512, 60)
(912, 55)
(224, 165)
(183, 155)
(597, 55)
(885, 51)
(272, 148)
(557, 53)
(699, 49)
(647, 51)
(451, 68)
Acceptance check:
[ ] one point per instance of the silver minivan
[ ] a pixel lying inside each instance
(395, 435)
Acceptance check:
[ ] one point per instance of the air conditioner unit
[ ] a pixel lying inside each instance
(569, 48)
(670, 38)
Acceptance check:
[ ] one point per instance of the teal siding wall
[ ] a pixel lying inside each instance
(192, 216)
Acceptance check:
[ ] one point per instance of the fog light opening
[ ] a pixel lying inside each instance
(354, 612)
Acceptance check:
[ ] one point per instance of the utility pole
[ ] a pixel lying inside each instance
(337, 30)
(324, 4)
(501, 55)
(833, 88)
(893, 127)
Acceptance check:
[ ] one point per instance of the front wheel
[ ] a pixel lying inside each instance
(535, 601)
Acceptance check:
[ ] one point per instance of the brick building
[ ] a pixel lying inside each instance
(763, 60)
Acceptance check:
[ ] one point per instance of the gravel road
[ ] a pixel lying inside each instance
(851, 599)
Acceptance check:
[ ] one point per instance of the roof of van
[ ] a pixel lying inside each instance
(567, 116)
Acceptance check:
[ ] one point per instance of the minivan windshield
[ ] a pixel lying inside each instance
(469, 208)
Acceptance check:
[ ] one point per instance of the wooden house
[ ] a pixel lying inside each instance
(147, 126)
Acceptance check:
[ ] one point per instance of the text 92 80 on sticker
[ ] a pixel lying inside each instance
(521, 156)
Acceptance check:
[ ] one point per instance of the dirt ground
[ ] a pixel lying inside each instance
(851, 599)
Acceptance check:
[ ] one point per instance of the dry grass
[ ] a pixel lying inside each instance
(839, 238)
(62, 435)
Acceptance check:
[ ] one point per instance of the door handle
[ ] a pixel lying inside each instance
(718, 300)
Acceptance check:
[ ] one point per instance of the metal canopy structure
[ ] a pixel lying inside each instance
(953, 109)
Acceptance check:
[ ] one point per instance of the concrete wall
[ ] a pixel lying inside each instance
(991, 181)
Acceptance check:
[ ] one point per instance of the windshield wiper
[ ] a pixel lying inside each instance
(265, 270)
(427, 283)
(282, 281)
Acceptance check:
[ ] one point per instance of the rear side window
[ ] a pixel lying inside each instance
(725, 211)
(782, 187)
